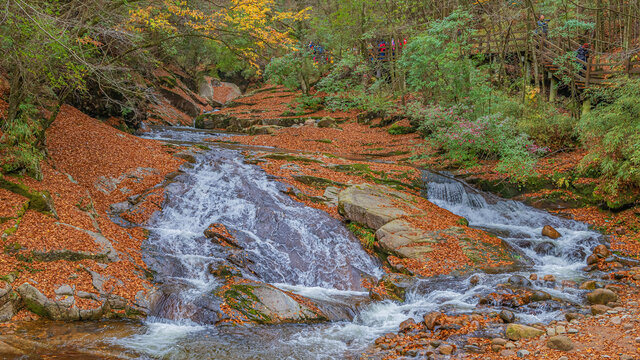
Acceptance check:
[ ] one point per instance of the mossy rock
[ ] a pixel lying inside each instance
(40, 201)
(291, 158)
(316, 182)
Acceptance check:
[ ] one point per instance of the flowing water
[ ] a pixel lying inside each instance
(305, 251)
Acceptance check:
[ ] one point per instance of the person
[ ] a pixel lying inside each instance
(583, 54)
(543, 26)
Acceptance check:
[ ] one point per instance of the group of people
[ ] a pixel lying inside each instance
(319, 53)
(582, 53)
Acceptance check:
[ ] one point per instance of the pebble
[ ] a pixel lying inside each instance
(638, 340)
(572, 331)
(627, 326)
(445, 349)
(561, 330)
(523, 353)
(499, 341)
(551, 331)
(507, 353)
(510, 345)
(616, 320)
(563, 358)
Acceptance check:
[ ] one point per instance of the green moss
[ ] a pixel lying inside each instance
(67, 255)
(168, 81)
(324, 141)
(241, 298)
(316, 182)
(463, 222)
(367, 236)
(396, 129)
(40, 201)
(291, 158)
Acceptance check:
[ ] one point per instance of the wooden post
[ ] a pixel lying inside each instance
(553, 91)
(588, 74)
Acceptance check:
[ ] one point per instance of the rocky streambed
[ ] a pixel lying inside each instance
(244, 271)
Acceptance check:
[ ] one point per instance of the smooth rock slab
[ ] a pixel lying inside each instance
(372, 206)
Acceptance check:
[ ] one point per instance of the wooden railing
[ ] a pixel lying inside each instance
(598, 70)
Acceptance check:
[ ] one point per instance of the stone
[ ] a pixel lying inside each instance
(602, 296)
(496, 348)
(519, 280)
(6, 349)
(265, 304)
(540, 295)
(551, 331)
(550, 278)
(518, 331)
(64, 290)
(510, 345)
(626, 357)
(599, 309)
(572, 331)
(474, 280)
(550, 232)
(601, 251)
(39, 304)
(406, 325)
(432, 319)
(499, 341)
(445, 349)
(522, 353)
(616, 320)
(326, 122)
(563, 358)
(507, 353)
(533, 277)
(371, 205)
(588, 285)
(569, 284)
(560, 342)
(572, 316)
(592, 259)
(561, 330)
(507, 316)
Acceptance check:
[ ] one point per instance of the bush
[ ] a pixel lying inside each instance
(466, 140)
(296, 70)
(611, 132)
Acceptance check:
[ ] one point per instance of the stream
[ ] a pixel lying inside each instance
(305, 251)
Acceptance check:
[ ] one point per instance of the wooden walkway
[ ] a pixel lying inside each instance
(557, 56)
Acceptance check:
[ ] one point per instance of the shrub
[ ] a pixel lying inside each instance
(611, 132)
(296, 70)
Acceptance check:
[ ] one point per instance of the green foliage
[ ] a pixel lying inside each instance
(437, 65)
(366, 235)
(611, 132)
(18, 152)
(397, 129)
(296, 70)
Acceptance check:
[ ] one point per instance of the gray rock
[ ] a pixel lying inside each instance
(64, 290)
(370, 205)
(519, 331)
(523, 353)
(507, 316)
(519, 280)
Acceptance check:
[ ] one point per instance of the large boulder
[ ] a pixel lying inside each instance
(372, 206)
(560, 342)
(518, 331)
(253, 301)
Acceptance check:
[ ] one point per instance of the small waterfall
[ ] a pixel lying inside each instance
(518, 224)
(305, 251)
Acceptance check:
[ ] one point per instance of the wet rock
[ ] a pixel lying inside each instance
(475, 349)
(549, 278)
(569, 284)
(431, 320)
(9, 302)
(589, 285)
(560, 342)
(187, 155)
(592, 259)
(540, 295)
(39, 304)
(519, 280)
(474, 280)
(507, 316)
(599, 309)
(519, 331)
(219, 234)
(550, 232)
(546, 248)
(407, 325)
(265, 304)
(601, 251)
(602, 296)
(533, 277)
(224, 270)
(396, 286)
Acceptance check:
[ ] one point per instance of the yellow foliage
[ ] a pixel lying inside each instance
(250, 19)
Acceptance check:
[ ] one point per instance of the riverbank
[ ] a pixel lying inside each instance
(70, 260)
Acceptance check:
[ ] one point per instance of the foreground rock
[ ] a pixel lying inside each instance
(550, 232)
(602, 297)
(518, 331)
(404, 229)
(560, 342)
(252, 301)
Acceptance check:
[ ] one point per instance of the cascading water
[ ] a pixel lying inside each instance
(305, 251)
